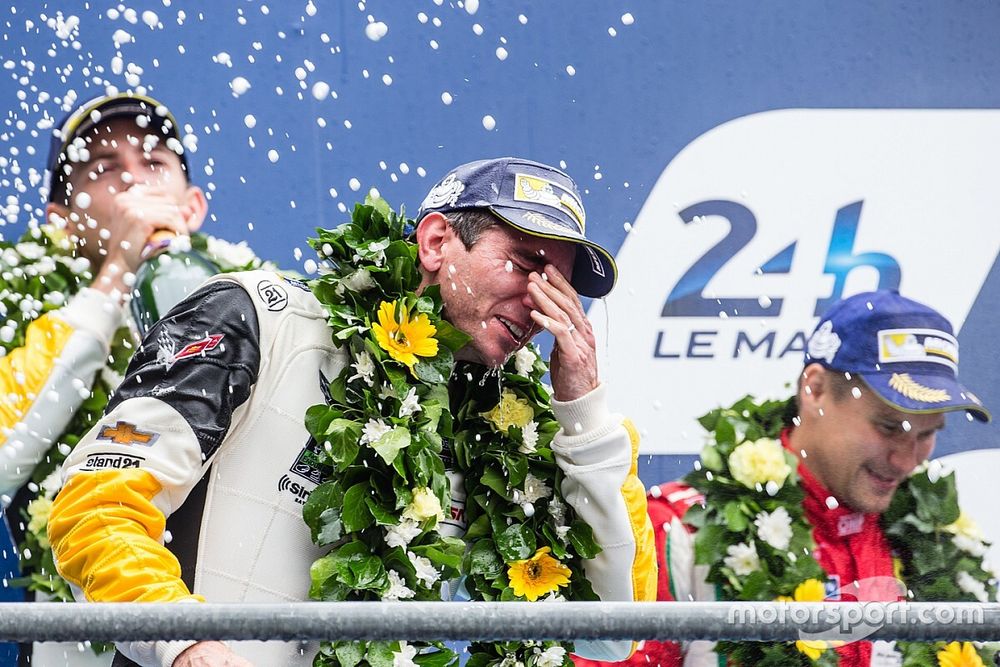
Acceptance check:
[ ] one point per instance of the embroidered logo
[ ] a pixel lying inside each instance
(541, 191)
(824, 343)
(910, 388)
(124, 433)
(206, 344)
(850, 524)
(274, 296)
(445, 192)
(902, 345)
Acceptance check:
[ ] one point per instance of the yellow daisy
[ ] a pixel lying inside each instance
(539, 575)
(403, 337)
(810, 590)
(510, 411)
(812, 649)
(958, 654)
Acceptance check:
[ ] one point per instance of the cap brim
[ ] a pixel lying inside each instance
(594, 269)
(925, 393)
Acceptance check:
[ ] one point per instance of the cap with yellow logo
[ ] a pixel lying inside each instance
(905, 351)
(535, 198)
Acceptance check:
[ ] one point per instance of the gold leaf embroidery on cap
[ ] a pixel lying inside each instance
(910, 388)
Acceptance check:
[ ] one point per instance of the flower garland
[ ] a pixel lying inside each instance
(753, 533)
(399, 415)
(39, 274)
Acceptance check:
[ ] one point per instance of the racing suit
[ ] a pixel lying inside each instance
(208, 430)
(850, 547)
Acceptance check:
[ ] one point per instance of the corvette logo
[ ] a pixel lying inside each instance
(168, 357)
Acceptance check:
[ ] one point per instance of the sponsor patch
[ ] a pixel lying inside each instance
(908, 345)
(206, 344)
(299, 491)
(850, 524)
(124, 433)
(295, 282)
(274, 296)
(444, 193)
(106, 460)
(549, 193)
(824, 343)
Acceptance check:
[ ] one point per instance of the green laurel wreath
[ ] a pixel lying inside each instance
(389, 431)
(920, 526)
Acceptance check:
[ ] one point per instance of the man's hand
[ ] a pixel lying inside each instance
(210, 654)
(573, 365)
(135, 215)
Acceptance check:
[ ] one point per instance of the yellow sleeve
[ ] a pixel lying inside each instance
(644, 575)
(105, 532)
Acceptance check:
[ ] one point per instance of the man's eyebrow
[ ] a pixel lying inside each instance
(530, 258)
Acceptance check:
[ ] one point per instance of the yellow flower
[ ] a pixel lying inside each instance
(958, 654)
(38, 510)
(539, 575)
(423, 506)
(510, 411)
(812, 649)
(404, 338)
(966, 527)
(759, 462)
(810, 590)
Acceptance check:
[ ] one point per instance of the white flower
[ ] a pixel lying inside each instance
(775, 528)
(359, 281)
(553, 597)
(557, 510)
(410, 404)
(524, 361)
(426, 573)
(230, 255)
(404, 656)
(969, 545)
(45, 266)
(970, 584)
(52, 483)
(510, 660)
(423, 506)
(30, 251)
(551, 657)
(535, 488)
(742, 559)
(529, 435)
(10, 257)
(365, 368)
(397, 588)
(402, 533)
(374, 429)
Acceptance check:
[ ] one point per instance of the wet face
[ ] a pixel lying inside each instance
(118, 160)
(857, 445)
(485, 287)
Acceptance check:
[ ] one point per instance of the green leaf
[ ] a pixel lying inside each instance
(349, 654)
(436, 370)
(389, 445)
(483, 559)
(494, 479)
(710, 544)
(380, 654)
(331, 527)
(517, 542)
(355, 514)
(321, 511)
(581, 536)
(452, 338)
(736, 520)
(710, 457)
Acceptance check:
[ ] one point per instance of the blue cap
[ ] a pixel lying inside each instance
(87, 115)
(905, 351)
(534, 198)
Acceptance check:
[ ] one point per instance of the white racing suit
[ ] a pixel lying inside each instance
(208, 430)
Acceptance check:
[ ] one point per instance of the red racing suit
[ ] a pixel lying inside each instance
(850, 547)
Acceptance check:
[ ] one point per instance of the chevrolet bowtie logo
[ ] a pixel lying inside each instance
(123, 433)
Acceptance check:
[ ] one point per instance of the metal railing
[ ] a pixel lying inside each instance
(495, 621)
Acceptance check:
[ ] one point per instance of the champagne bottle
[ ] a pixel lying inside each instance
(171, 271)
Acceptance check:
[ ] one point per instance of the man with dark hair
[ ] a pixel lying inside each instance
(504, 242)
(880, 373)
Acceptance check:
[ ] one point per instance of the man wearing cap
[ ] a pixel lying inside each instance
(117, 174)
(880, 373)
(505, 239)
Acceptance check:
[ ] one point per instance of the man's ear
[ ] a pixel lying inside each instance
(812, 387)
(433, 233)
(53, 209)
(195, 200)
